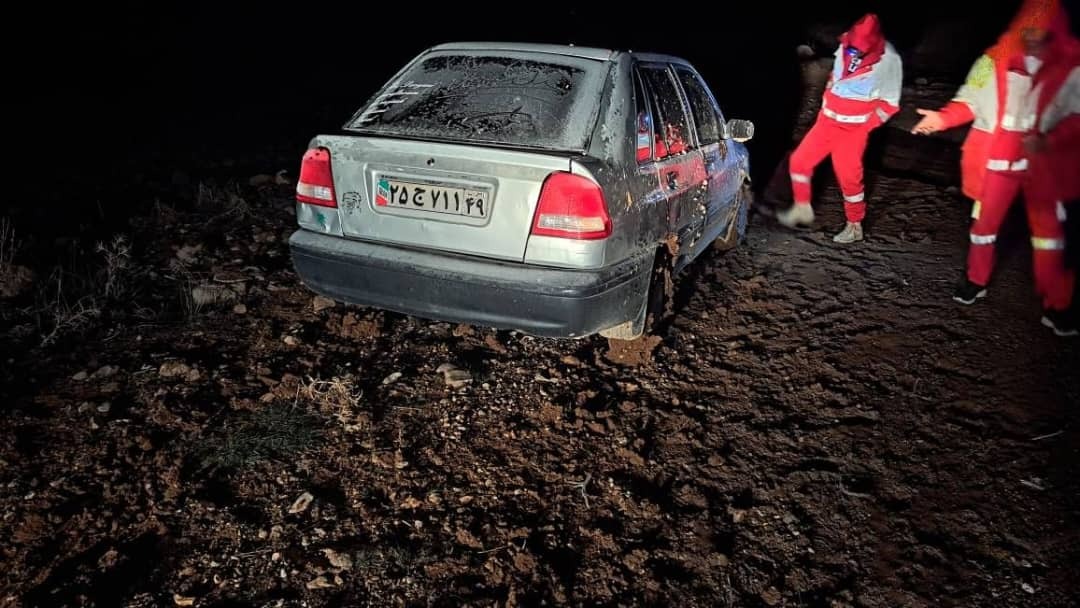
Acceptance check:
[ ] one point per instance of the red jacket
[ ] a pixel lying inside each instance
(870, 93)
(982, 98)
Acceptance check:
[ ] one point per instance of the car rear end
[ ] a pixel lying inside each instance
(458, 194)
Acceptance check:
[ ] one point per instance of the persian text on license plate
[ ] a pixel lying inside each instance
(429, 197)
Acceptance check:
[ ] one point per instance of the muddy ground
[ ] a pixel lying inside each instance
(186, 425)
(820, 426)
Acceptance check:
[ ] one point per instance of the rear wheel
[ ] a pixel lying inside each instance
(657, 307)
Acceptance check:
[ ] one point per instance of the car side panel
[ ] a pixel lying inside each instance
(636, 202)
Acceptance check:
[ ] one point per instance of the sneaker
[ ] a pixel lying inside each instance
(1061, 322)
(852, 232)
(795, 215)
(967, 292)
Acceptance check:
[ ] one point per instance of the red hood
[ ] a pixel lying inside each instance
(1060, 57)
(1062, 52)
(1032, 14)
(866, 36)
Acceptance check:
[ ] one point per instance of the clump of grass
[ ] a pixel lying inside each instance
(186, 282)
(224, 202)
(14, 280)
(66, 315)
(236, 208)
(164, 213)
(272, 432)
(393, 560)
(8, 246)
(189, 304)
(77, 292)
(207, 196)
(117, 267)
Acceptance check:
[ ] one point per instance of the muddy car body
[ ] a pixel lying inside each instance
(539, 188)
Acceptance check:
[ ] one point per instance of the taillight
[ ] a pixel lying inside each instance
(571, 207)
(316, 184)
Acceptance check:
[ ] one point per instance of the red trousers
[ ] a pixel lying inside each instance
(846, 143)
(1046, 219)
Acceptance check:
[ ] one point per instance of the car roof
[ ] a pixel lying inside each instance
(584, 52)
(661, 58)
(554, 49)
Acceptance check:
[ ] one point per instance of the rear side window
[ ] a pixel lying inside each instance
(669, 119)
(516, 99)
(644, 132)
(701, 106)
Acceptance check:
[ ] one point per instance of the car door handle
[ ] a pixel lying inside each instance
(672, 180)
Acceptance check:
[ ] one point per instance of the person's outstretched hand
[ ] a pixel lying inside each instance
(931, 122)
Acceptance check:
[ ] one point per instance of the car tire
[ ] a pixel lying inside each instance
(739, 215)
(657, 305)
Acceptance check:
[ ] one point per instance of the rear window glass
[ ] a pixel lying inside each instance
(521, 100)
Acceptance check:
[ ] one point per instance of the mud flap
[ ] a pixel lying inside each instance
(658, 305)
(632, 329)
(660, 301)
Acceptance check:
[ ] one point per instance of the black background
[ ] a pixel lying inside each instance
(101, 98)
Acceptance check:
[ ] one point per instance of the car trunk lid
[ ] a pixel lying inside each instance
(458, 198)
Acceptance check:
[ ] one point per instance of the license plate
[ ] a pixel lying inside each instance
(450, 200)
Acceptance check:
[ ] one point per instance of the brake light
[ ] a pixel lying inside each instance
(571, 207)
(316, 183)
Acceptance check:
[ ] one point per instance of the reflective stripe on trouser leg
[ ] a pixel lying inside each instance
(855, 207)
(1004, 165)
(983, 239)
(1047, 244)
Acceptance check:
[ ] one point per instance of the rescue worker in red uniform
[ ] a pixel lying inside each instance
(862, 94)
(981, 100)
(1035, 147)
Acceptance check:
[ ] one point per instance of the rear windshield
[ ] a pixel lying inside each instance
(520, 100)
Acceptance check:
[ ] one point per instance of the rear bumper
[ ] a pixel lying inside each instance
(540, 301)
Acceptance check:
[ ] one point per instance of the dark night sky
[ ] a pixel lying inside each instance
(155, 86)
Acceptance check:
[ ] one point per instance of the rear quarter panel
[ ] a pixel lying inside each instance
(635, 200)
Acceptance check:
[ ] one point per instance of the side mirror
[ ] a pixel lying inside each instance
(740, 130)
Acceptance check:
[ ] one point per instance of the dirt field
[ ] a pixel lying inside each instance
(822, 426)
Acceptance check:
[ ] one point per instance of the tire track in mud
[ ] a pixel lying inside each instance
(897, 348)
